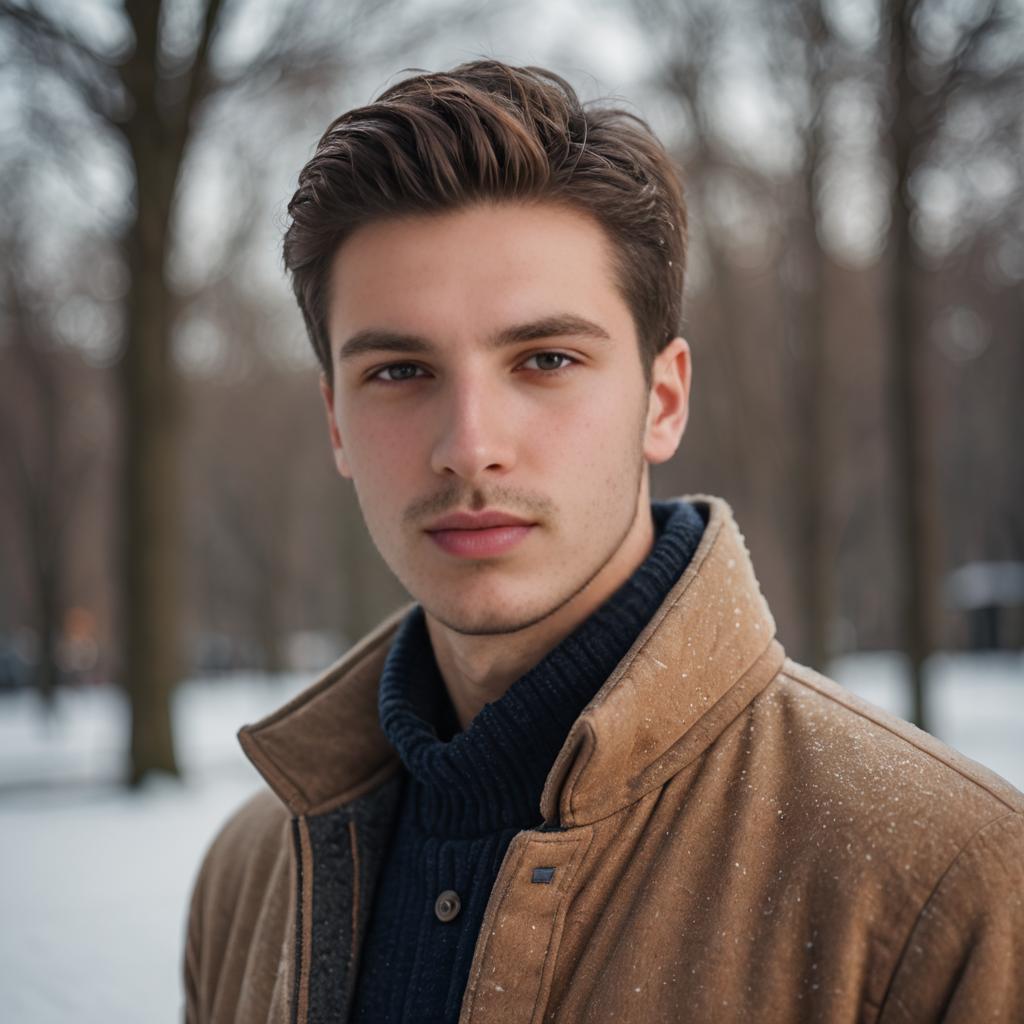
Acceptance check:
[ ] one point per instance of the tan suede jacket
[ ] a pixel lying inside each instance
(733, 838)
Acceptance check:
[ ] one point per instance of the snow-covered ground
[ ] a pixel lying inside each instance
(94, 881)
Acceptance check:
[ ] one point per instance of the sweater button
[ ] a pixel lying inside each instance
(447, 905)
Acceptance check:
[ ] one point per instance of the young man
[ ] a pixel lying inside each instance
(578, 780)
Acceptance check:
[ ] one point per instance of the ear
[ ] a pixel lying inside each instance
(669, 401)
(332, 427)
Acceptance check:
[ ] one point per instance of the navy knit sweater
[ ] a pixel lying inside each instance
(465, 795)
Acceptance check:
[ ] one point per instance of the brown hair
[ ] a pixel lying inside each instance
(487, 131)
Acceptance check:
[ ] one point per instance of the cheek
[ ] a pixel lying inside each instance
(377, 445)
(605, 429)
(593, 459)
(587, 417)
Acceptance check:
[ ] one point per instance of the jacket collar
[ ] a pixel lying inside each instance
(703, 657)
(706, 653)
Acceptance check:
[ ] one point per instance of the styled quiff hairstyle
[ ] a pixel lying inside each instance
(487, 131)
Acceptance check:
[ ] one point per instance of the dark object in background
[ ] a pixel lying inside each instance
(991, 594)
(15, 671)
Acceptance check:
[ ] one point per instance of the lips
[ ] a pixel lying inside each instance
(478, 534)
(476, 521)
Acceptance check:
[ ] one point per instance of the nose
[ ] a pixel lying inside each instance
(475, 436)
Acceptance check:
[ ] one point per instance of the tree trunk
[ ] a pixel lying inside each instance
(47, 673)
(150, 392)
(150, 504)
(915, 496)
(812, 396)
(48, 552)
(816, 447)
(815, 404)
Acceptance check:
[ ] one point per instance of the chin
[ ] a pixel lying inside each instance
(483, 621)
(498, 618)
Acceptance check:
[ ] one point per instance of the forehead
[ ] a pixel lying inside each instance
(472, 271)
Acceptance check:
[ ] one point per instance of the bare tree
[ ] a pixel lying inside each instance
(33, 432)
(44, 459)
(925, 61)
(923, 81)
(803, 57)
(151, 93)
(790, 46)
(685, 40)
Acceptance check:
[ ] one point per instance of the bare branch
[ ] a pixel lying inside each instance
(199, 74)
(50, 45)
(991, 24)
(291, 60)
(35, 25)
(964, 73)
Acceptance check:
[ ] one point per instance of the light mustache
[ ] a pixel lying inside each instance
(476, 499)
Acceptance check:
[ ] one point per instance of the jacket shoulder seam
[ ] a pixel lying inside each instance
(809, 684)
(929, 899)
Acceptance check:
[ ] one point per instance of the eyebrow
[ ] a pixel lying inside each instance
(559, 325)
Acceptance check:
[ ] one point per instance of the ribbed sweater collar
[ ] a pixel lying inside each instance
(490, 776)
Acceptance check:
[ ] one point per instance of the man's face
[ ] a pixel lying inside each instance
(490, 406)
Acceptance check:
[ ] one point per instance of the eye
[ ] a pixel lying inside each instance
(396, 372)
(548, 361)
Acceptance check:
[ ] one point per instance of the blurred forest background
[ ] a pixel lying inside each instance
(855, 303)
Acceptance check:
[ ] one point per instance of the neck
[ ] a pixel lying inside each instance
(478, 669)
